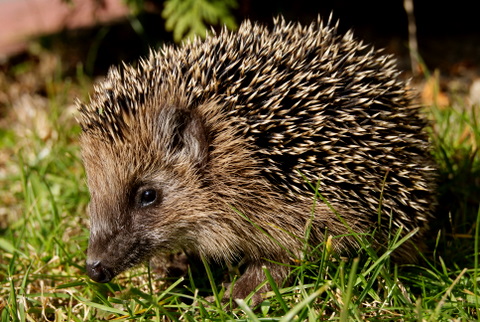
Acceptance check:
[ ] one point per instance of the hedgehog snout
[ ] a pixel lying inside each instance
(99, 272)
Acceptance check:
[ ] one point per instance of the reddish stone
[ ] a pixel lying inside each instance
(21, 20)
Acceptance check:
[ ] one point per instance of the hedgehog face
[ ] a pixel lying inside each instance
(140, 206)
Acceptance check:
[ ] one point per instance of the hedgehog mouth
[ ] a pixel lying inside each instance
(105, 260)
(99, 272)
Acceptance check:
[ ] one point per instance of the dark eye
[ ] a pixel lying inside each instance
(148, 197)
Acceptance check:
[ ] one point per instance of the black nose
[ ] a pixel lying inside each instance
(98, 272)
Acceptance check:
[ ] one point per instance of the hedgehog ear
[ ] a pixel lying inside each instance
(184, 135)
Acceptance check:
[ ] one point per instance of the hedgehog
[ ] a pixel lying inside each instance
(219, 148)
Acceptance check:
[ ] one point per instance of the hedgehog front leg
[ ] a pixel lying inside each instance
(253, 276)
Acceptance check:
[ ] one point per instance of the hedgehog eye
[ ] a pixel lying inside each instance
(148, 197)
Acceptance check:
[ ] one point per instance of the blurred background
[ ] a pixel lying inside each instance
(104, 32)
(52, 52)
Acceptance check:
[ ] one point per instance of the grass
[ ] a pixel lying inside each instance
(44, 234)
